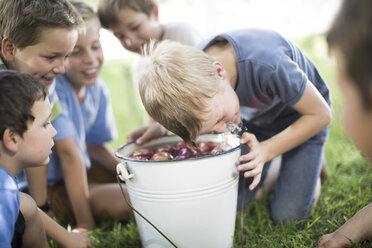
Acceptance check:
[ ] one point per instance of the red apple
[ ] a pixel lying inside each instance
(142, 152)
(216, 150)
(205, 147)
(185, 152)
(160, 156)
(181, 144)
(140, 157)
(165, 148)
(178, 157)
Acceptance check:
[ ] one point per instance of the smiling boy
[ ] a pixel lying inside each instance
(36, 38)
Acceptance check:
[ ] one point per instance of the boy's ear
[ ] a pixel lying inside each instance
(7, 49)
(155, 12)
(10, 140)
(221, 72)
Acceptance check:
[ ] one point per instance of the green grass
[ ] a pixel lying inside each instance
(346, 191)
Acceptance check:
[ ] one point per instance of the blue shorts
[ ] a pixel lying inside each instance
(19, 230)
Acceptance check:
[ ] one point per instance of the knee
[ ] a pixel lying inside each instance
(292, 211)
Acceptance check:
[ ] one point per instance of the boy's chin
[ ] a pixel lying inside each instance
(43, 163)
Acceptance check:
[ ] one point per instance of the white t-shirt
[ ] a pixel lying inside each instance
(175, 31)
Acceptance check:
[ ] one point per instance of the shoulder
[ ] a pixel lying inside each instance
(7, 181)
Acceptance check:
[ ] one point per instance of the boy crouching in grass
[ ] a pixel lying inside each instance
(260, 77)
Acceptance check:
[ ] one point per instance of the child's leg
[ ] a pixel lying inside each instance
(59, 202)
(295, 189)
(108, 198)
(34, 235)
(98, 174)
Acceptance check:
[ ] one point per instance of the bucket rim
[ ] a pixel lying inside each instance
(118, 155)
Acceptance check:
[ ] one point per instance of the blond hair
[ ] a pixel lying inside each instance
(23, 21)
(108, 10)
(175, 84)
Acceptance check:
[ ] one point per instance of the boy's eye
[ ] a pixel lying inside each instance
(135, 27)
(50, 57)
(74, 52)
(119, 36)
(47, 124)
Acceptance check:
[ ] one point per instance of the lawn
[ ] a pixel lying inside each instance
(347, 189)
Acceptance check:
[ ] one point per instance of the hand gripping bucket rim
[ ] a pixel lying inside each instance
(193, 201)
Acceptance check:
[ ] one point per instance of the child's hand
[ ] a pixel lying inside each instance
(332, 240)
(256, 157)
(146, 133)
(78, 239)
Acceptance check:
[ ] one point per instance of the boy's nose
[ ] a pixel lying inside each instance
(220, 128)
(54, 132)
(59, 68)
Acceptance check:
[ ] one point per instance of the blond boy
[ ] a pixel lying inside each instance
(257, 76)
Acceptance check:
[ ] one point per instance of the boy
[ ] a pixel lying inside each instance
(136, 22)
(350, 42)
(36, 38)
(263, 78)
(26, 141)
(86, 98)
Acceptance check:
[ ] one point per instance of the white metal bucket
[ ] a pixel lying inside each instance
(192, 201)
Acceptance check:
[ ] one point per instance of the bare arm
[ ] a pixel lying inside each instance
(355, 229)
(37, 183)
(315, 115)
(76, 182)
(60, 235)
(104, 156)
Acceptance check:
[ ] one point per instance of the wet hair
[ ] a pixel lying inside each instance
(175, 86)
(18, 93)
(351, 35)
(108, 10)
(23, 21)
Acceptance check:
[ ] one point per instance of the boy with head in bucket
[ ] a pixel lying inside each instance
(257, 76)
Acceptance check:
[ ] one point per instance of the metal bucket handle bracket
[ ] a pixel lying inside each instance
(121, 170)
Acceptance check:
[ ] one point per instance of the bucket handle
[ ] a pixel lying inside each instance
(122, 171)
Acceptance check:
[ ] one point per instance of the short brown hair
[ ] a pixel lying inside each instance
(351, 34)
(18, 93)
(175, 84)
(23, 21)
(108, 10)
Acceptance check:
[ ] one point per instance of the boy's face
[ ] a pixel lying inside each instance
(356, 119)
(45, 60)
(36, 144)
(224, 109)
(84, 64)
(136, 29)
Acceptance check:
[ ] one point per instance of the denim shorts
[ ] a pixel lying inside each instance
(294, 191)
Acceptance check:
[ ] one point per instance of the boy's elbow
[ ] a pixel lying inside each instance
(327, 116)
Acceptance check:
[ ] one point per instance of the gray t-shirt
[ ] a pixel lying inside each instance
(272, 76)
